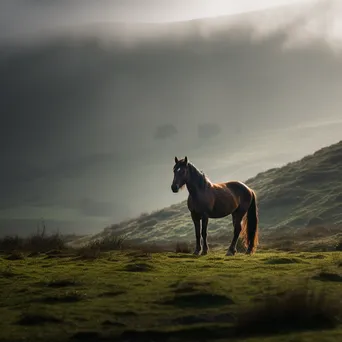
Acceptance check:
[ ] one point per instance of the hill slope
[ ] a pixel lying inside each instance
(302, 193)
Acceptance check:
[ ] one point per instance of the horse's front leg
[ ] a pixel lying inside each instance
(204, 234)
(197, 223)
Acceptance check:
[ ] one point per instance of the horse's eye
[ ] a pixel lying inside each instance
(179, 169)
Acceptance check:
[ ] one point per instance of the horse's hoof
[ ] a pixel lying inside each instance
(249, 252)
(196, 252)
(204, 252)
(230, 253)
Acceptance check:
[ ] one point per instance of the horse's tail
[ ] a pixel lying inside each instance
(252, 220)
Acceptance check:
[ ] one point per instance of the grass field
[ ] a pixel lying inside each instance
(143, 295)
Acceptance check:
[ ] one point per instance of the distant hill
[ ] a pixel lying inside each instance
(302, 194)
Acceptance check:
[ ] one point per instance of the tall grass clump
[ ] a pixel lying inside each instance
(182, 247)
(105, 244)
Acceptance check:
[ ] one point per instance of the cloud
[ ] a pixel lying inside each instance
(165, 131)
(302, 23)
(312, 23)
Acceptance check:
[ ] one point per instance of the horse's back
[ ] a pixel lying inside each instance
(240, 190)
(237, 185)
(225, 198)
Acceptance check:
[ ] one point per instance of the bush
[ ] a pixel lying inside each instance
(38, 242)
(11, 243)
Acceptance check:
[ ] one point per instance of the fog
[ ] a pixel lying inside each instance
(29, 18)
(93, 114)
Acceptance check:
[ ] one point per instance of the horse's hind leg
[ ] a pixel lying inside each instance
(237, 218)
(197, 223)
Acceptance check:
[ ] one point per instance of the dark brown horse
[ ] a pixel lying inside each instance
(209, 200)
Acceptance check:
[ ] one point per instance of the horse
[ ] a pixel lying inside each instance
(217, 200)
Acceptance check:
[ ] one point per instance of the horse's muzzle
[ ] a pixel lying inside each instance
(174, 188)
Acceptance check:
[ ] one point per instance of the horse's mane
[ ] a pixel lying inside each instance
(198, 177)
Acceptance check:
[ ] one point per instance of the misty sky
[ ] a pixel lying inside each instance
(124, 10)
(94, 115)
(27, 18)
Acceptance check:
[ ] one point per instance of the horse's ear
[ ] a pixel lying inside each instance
(186, 160)
(176, 160)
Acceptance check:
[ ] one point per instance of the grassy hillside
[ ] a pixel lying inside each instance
(300, 194)
(146, 296)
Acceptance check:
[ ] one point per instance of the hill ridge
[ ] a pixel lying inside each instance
(301, 193)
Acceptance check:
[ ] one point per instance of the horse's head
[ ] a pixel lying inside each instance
(180, 171)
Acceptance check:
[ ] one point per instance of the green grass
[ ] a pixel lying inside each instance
(136, 295)
(300, 194)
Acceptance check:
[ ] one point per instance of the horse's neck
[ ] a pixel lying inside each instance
(192, 184)
(192, 188)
